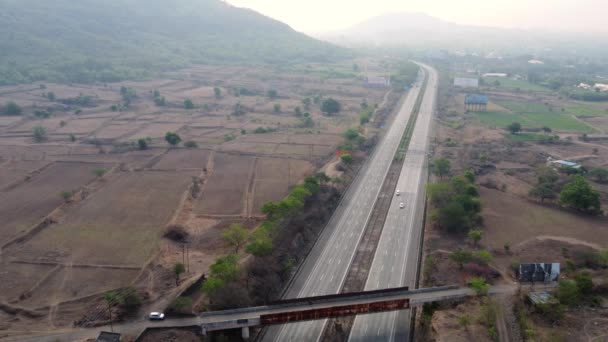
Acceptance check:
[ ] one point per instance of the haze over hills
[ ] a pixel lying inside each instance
(101, 40)
(418, 30)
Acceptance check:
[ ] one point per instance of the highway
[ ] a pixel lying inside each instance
(396, 260)
(326, 274)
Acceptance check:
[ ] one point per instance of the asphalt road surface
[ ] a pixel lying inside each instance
(327, 274)
(396, 261)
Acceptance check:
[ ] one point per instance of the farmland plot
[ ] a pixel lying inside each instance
(120, 225)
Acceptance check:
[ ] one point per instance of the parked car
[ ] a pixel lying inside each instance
(401, 205)
(397, 192)
(156, 316)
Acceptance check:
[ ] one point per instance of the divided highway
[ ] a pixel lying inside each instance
(396, 261)
(326, 274)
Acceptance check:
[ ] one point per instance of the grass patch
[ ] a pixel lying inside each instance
(533, 115)
(525, 137)
(509, 83)
(580, 109)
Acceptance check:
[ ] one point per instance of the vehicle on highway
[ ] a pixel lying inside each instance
(401, 205)
(156, 316)
(397, 192)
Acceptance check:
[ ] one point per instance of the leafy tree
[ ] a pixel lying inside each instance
(181, 303)
(39, 133)
(217, 92)
(191, 144)
(482, 257)
(441, 167)
(330, 106)
(465, 321)
(567, 292)
(178, 269)
(272, 94)
(111, 298)
(479, 285)
(600, 175)
(347, 159)
(276, 108)
(470, 176)
(297, 111)
(543, 191)
(461, 257)
(545, 174)
(546, 129)
(99, 172)
(514, 128)
(236, 236)
(306, 102)
(579, 195)
(156, 93)
(43, 114)
(475, 235)
(322, 177)
(226, 268)
(173, 138)
(351, 134)
(160, 101)
(261, 244)
(130, 299)
(188, 104)
(584, 282)
(11, 108)
(51, 96)
(142, 144)
(66, 195)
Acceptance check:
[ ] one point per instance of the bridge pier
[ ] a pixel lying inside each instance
(245, 333)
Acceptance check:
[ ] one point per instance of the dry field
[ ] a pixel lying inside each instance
(57, 257)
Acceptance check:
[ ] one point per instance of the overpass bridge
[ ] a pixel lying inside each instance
(321, 307)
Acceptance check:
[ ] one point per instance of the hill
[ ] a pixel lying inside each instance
(111, 40)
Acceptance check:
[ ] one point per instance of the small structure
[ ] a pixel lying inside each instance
(539, 272)
(378, 81)
(540, 298)
(106, 336)
(475, 102)
(494, 74)
(466, 82)
(564, 164)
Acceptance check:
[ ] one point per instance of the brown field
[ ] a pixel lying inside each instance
(118, 220)
(225, 191)
(28, 203)
(123, 222)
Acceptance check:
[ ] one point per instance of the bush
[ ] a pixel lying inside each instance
(191, 144)
(11, 108)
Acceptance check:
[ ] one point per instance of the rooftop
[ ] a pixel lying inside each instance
(105, 336)
(542, 298)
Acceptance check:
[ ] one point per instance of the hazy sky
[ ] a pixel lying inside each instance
(328, 15)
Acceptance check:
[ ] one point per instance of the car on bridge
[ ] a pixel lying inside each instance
(156, 316)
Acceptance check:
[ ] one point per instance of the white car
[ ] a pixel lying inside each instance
(397, 192)
(401, 205)
(156, 316)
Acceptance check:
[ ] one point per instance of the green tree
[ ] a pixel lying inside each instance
(178, 269)
(111, 298)
(11, 108)
(584, 282)
(600, 175)
(475, 235)
(260, 245)
(351, 134)
(347, 159)
(181, 303)
(567, 292)
(297, 111)
(72, 138)
(514, 128)
(306, 102)
(330, 106)
(191, 144)
(226, 268)
(39, 134)
(276, 108)
(546, 129)
(545, 174)
(236, 236)
(441, 167)
(173, 138)
(188, 104)
(461, 257)
(579, 195)
(217, 92)
(272, 94)
(51, 96)
(465, 321)
(479, 285)
(482, 257)
(99, 172)
(142, 144)
(543, 191)
(470, 176)
(212, 284)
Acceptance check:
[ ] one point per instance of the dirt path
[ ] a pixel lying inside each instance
(56, 301)
(250, 191)
(569, 240)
